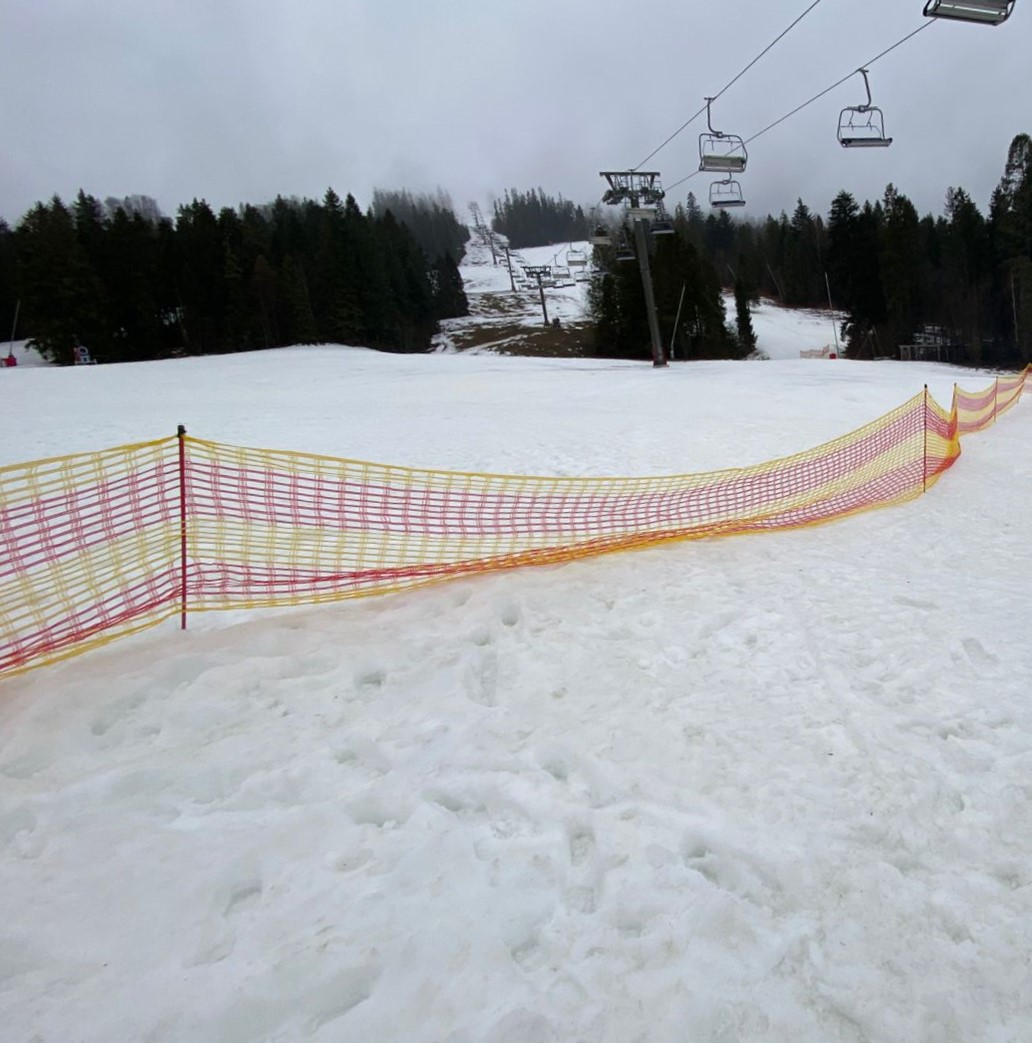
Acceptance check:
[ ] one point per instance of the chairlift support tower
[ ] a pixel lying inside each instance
(639, 191)
(539, 272)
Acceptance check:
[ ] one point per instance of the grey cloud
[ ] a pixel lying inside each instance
(238, 101)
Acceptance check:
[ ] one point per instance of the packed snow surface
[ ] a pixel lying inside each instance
(769, 788)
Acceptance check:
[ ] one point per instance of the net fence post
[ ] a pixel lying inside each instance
(924, 424)
(181, 436)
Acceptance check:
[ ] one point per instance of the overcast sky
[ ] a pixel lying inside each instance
(240, 100)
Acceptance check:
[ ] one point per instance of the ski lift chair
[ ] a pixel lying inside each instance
(721, 153)
(862, 126)
(576, 258)
(983, 12)
(601, 237)
(726, 194)
(625, 253)
(662, 225)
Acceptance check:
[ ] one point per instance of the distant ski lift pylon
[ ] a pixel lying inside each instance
(982, 12)
(862, 126)
(721, 153)
(726, 194)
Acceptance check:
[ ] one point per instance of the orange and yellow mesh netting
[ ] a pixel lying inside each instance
(92, 546)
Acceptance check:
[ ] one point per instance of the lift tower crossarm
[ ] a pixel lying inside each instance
(640, 192)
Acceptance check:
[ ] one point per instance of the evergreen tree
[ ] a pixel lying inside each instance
(60, 292)
(535, 218)
(961, 280)
(8, 289)
(844, 249)
(301, 324)
(265, 290)
(201, 278)
(429, 218)
(450, 300)
(133, 317)
(130, 284)
(743, 319)
(901, 265)
(1010, 220)
(803, 259)
(694, 221)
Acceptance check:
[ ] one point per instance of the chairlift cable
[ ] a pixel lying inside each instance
(817, 97)
(730, 83)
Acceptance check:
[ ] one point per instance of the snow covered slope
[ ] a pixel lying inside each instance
(494, 305)
(768, 788)
(782, 333)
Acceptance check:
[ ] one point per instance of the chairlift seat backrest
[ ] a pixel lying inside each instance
(723, 155)
(984, 12)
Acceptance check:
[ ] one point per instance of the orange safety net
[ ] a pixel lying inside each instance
(96, 546)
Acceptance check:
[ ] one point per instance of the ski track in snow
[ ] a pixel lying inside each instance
(760, 788)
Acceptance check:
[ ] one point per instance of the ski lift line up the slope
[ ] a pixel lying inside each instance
(727, 86)
(827, 90)
(983, 12)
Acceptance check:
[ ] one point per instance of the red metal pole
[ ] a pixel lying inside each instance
(181, 433)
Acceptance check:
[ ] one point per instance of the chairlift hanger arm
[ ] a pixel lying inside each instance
(709, 119)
